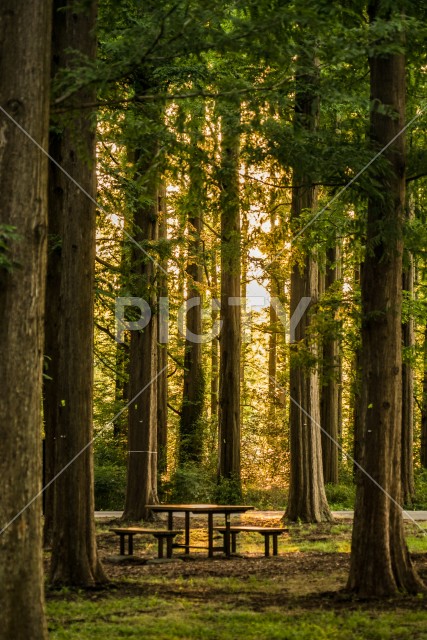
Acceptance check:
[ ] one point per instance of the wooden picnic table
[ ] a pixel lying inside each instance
(210, 510)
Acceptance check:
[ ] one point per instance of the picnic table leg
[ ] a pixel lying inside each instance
(122, 545)
(227, 535)
(160, 546)
(267, 544)
(233, 542)
(169, 543)
(170, 520)
(275, 537)
(210, 535)
(187, 532)
(130, 544)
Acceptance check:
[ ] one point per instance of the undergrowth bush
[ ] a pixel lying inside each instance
(420, 498)
(189, 484)
(110, 487)
(341, 496)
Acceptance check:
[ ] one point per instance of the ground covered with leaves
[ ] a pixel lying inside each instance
(297, 595)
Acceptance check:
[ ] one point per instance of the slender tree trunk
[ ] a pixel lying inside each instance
(380, 561)
(74, 554)
(408, 341)
(230, 340)
(121, 385)
(24, 94)
(243, 290)
(356, 391)
(191, 425)
(329, 403)
(423, 452)
(141, 486)
(307, 498)
(162, 350)
(214, 343)
(272, 344)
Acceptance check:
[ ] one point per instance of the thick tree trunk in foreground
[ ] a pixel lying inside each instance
(307, 498)
(24, 94)
(230, 340)
(74, 554)
(329, 403)
(191, 427)
(380, 562)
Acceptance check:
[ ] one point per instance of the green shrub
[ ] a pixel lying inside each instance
(273, 498)
(189, 484)
(228, 491)
(420, 497)
(341, 496)
(110, 487)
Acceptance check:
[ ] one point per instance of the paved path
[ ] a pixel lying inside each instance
(408, 515)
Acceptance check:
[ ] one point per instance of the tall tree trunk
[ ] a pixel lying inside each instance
(329, 403)
(141, 486)
(423, 452)
(122, 356)
(245, 329)
(408, 341)
(214, 343)
(74, 554)
(230, 339)
(356, 391)
(191, 425)
(380, 561)
(307, 498)
(272, 343)
(24, 94)
(162, 351)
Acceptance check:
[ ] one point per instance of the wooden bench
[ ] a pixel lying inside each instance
(160, 534)
(267, 532)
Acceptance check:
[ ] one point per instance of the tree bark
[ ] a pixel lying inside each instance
(408, 341)
(74, 554)
(230, 339)
(329, 403)
(162, 350)
(356, 391)
(24, 94)
(423, 452)
(380, 561)
(214, 344)
(141, 486)
(307, 498)
(191, 426)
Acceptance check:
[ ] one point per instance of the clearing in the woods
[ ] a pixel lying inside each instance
(298, 595)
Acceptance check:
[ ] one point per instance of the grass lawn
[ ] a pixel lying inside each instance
(297, 595)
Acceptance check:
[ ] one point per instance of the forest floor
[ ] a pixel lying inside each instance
(298, 595)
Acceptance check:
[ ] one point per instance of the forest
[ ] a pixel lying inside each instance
(213, 291)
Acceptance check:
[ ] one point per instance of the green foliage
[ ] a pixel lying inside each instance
(228, 491)
(341, 496)
(420, 497)
(190, 483)
(110, 486)
(273, 498)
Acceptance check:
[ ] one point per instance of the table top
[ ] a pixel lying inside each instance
(201, 508)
